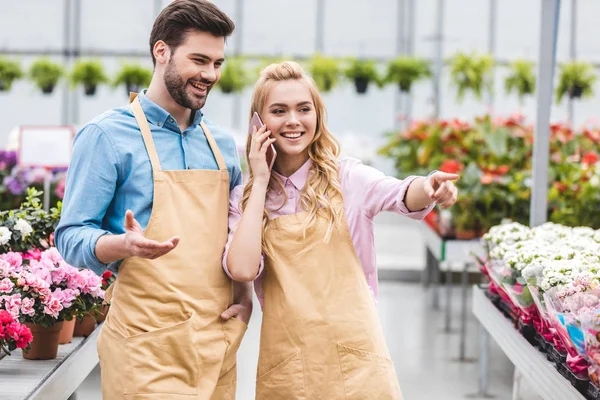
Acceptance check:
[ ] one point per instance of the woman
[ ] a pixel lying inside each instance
(310, 223)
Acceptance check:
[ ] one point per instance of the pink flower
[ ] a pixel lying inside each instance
(12, 304)
(27, 306)
(52, 306)
(92, 283)
(33, 255)
(66, 296)
(6, 285)
(14, 259)
(52, 255)
(5, 268)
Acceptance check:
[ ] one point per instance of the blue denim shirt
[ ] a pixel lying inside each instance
(110, 172)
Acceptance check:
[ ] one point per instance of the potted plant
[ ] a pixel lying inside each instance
(46, 74)
(234, 77)
(108, 278)
(576, 80)
(89, 74)
(471, 73)
(521, 79)
(361, 72)
(9, 72)
(134, 77)
(325, 71)
(405, 71)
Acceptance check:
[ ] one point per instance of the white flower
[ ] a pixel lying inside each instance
(5, 235)
(23, 227)
(595, 181)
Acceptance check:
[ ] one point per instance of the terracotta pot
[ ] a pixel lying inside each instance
(84, 327)
(45, 341)
(466, 234)
(66, 333)
(101, 315)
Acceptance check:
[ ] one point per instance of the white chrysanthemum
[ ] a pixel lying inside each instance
(5, 235)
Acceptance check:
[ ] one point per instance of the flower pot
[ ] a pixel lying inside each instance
(466, 234)
(66, 333)
(90, 90)
(84, 327)
(361, 84)
(101, 315)
(132, 88)
(48, 89)
(45, 341)
(575, 91)
(327, 84)
(2, 86)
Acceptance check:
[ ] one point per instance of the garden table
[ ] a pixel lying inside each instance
(57, 379)
(539, 373)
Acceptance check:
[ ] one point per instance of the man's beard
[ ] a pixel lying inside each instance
(177, 89)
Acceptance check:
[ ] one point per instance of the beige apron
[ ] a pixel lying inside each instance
(321, 336)
(163, 337)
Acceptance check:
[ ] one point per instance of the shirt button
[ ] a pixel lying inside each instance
(291, 195)
(159, 124)
(189, 167)
(171, 120)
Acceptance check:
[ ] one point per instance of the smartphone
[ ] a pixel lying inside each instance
(271, 153)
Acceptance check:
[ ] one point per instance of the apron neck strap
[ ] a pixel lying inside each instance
(136, 107)
(214, 147)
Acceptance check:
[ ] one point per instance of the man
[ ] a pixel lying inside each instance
(170, 332)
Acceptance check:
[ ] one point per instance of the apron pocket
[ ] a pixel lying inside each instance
(163, 361)
(285, 381)
(367, 375)
(234, 333)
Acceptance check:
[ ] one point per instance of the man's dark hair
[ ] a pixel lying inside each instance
(183, 16)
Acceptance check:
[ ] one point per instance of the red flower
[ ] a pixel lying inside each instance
(561, 187)
(25, 337)
(451, 166)
(503, 169)
(593, 135)
(5, 317)
(589, 158)
(107, 274)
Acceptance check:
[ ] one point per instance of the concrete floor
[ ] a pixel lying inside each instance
(424, 356)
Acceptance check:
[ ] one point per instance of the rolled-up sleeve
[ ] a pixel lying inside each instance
(90, 188)
(373, 192)
(235, 215)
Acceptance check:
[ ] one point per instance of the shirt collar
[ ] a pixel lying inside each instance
(297, 179)
(159, 116)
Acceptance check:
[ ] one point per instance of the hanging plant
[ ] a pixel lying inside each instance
(471, 74)
(134, 77)
(576, 80)
(234, 77)
(90, 74)
(325, 71)
(405, 71)
(521, 79)
(9, 72)
(46, 74)
(362, 72)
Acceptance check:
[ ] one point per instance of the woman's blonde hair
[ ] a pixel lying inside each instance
(322, 186)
